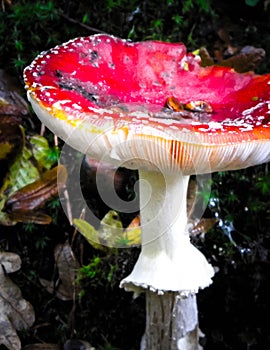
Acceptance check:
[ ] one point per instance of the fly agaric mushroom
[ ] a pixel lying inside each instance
(151, 106)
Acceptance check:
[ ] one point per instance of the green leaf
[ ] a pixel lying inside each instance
(22, 172)
(89, 233)
(252, 2)
(85, 18)
(91, 269)
(110, 229)
(263, 184)
(110, 232)
(43, 153)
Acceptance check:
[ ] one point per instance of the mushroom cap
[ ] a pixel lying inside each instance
(106, 97)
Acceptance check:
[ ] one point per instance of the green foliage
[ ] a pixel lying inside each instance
(42, 242)
(110, 234)
(204, 5)
(98, 270)
(29, 227)
(45, 155)
(89, 233)
(108, 347)
(28, 27)
(23, 171)
(252, 2)
(238, 199)
(263, 184)
(90, 270)
(23, 29)
(34, 158)
(54, 203)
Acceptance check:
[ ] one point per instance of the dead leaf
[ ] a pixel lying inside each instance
(11, 138)
(11, 103)
(15, 312)
(24, 185)
(202, 226)
(45, 346)
(33, 216)
(241, 59)
(67, 266)
(22, 205)
(73, 344)
(34, 195)
(246, 59)
(11, 145)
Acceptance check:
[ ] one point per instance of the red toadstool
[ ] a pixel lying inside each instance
(151, 106)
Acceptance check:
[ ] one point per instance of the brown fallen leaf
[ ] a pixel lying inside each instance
(11, 138)
(202, 226)
(8, 2)
(11, 103)
(22, 205)
(45, 346)
(34, 195)
(11, 145)
(33, 216)
(67, 265)
(73, 344)
(244, 60)
(15, 312)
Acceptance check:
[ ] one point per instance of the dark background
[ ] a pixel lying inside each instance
(234, 310)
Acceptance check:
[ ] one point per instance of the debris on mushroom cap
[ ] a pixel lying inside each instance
(100, 91)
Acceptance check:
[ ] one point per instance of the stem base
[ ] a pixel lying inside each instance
(172, 322)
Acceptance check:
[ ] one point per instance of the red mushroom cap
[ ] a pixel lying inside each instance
(104, 94)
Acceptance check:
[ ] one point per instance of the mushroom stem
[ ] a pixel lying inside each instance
(168, 261)
(171, 322)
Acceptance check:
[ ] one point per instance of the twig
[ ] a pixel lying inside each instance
(42, 129)
(68, 206)
(82, 216)
(72, 20)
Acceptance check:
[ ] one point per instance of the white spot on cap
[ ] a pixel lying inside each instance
(215, 125)
(246, 127)
(58, 104)
(252, 109)
(76, 106)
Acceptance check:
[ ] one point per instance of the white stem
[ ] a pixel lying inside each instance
(168, 261)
